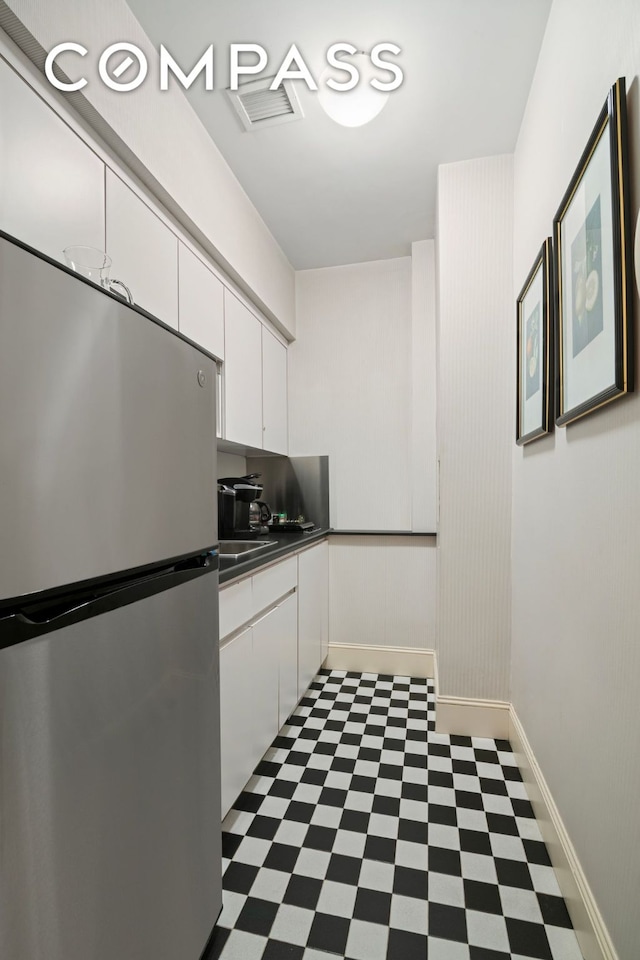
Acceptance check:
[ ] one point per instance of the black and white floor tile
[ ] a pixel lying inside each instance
(365, 835)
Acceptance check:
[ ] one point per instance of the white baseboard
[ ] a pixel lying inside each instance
(470, 717)
(593, 936)
(397, 661)
(477, 718)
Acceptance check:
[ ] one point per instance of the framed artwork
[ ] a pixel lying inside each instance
(594, 272)
(534, 313)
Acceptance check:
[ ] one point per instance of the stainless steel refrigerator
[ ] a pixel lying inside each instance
(109, 680)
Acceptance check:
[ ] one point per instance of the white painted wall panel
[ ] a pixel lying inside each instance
(231, 465)
(475, 426)
(350, 388)
(423, 386)
(576, 510)
(51, 183)
(382, 591)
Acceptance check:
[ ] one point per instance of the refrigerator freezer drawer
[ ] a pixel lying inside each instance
(110, 786)
(107, 433)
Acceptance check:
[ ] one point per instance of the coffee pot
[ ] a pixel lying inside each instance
(236, 496)
(259, 516)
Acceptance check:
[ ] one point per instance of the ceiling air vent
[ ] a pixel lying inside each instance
(258, 106)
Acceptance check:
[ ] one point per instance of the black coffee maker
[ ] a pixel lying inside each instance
(235, 494)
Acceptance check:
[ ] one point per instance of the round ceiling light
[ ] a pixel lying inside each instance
(353, 108)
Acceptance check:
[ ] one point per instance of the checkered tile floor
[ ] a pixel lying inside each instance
(365, 835)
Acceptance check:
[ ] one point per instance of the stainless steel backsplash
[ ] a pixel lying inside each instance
(297, 486)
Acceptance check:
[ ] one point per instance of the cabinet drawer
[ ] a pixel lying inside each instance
(237, 747)
(235, 607)
(273, 583)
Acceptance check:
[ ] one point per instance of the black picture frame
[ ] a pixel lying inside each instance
(594, 272)
(534, 377)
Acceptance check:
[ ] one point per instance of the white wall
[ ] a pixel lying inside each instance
(160, 137)
(382, 591)
(231, 465)
(362, 390)
(475, 426)
(350, 388)
(576, 508)
(423, 386)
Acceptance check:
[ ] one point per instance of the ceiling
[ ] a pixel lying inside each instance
(331, 194)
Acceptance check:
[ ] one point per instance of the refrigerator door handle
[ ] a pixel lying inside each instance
(32, 621)
(61, 616)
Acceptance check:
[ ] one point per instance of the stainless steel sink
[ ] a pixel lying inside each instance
(242, 548)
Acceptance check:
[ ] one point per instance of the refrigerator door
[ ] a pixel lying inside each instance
(108, 457)
(110, 783)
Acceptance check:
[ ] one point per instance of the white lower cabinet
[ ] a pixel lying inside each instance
(323, 588)
(313, 597)
(281, 616)
(288, 642)
(250, 668)
(265, 680)
(236, 716)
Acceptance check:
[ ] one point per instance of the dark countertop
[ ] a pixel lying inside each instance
(382, 533)
(283, 544)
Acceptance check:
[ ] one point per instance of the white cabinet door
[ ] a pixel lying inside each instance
(51, 183)
(288, 637)
(242, 373)
(236, 721)
(265, 673)
(274, 394)
(313, 574)
(200, 303)
(323, 588)
(144, 251)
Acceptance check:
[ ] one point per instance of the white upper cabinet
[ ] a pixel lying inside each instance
(51, 183)
(200, 303)
(144, 251)
(242, 373)
(274, 394)
(255, 376)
